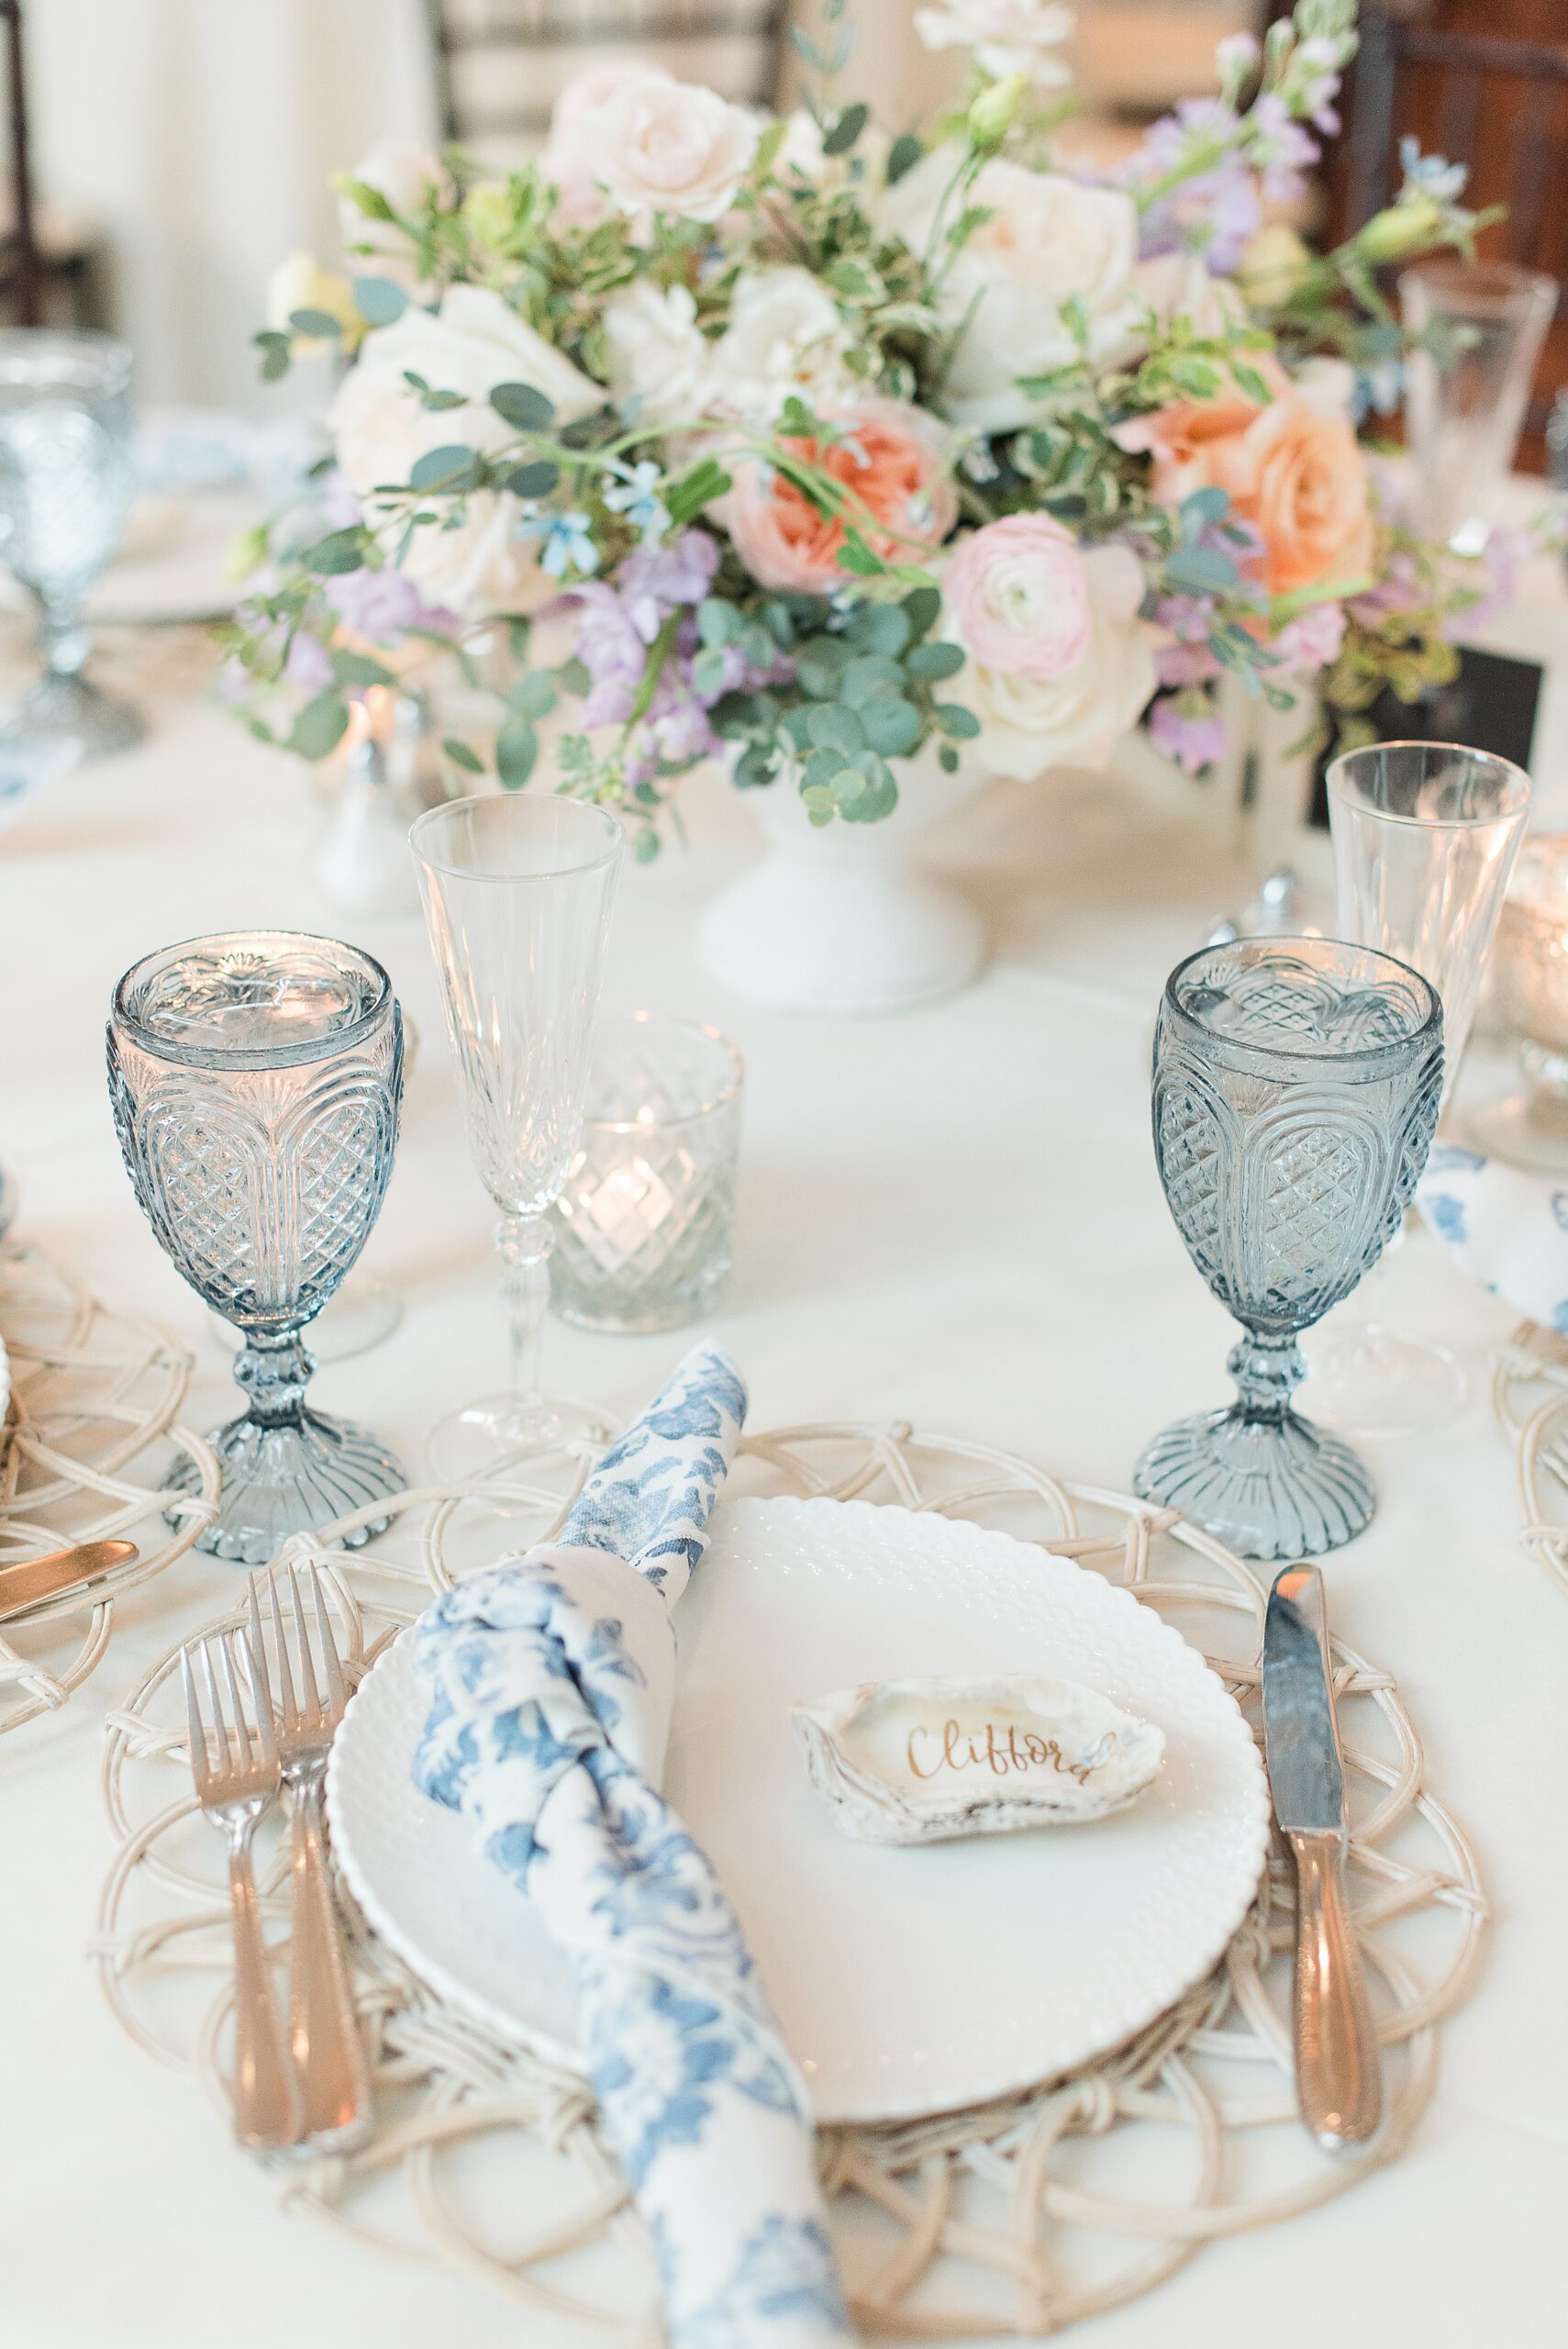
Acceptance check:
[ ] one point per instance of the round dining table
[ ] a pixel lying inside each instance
(951, 1217)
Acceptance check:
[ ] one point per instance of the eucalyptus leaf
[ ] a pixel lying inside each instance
(338, 551)
(536, 479)
(833, 727)
(320, 726)
(960, 724)
(934, 660)
(922, 608)
(359, 669)
(450, 468)
(708, 672)
(517, 751)
(522, 407)
(379, 301)
(903, 156)
(320, 326)
(879, 627)
(534, 695)
(864, 679)
(460, 755)
(846, 130)
(892, 726)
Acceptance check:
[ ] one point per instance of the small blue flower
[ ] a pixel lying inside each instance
(568, 541)
(1433, 176)
(636, 496)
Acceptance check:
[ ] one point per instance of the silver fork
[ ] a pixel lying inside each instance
(324, 2031)
(236, 1769)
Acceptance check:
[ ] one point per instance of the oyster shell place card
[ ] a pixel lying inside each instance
(924, 1760)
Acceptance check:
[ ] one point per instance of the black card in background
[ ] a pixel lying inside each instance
(1490, 706)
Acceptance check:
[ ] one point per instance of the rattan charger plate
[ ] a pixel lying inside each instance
(1017, 2219)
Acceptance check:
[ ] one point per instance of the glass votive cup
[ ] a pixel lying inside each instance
(644, 1221)
(1530, 985)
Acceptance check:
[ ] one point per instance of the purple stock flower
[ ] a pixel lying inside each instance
(307, 666)
(1214, 213)
(383, 605)
(1184, 727)
(1284, 149)
(1185, 664)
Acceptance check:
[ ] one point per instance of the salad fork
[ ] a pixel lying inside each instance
(324, 2031)
(236, 1769)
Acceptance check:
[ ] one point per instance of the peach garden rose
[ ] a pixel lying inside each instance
(1293, 471)
(890, 459)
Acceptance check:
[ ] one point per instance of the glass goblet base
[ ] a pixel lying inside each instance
(1268, 1488)
(65, 710)
(287, 1479)
(484, 1438)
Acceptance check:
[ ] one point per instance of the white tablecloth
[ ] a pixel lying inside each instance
(953, 1217)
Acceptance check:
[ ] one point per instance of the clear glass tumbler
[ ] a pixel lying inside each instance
(1481, 327)
(1297, 1084)
(518, 892)
(1530, 964)
(66, 474)
(1425, 837)
(644, 1221)
(256, 1080)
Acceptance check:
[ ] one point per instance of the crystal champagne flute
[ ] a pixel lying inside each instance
(517, 893)
(1425, 836)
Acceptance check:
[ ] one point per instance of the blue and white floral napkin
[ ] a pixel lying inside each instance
(1507, 1229)
(552, 1680)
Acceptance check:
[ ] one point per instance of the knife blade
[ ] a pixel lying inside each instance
(29, 1583)
(1338, 2077)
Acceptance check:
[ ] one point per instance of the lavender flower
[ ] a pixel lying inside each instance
(1186, 728)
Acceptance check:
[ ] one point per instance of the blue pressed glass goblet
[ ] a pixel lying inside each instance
(256, 1079)
(1296, 1087)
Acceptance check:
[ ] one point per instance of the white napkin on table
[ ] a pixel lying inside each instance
(552, 1682)
(1505, 1227)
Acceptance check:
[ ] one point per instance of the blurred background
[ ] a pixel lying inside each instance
(164, 153)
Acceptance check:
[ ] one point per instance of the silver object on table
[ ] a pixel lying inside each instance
(33, 1582)
(235, 1765)
(324, 2031)
(1338, 2074)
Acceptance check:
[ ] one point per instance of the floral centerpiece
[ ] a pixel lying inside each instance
(833, 450)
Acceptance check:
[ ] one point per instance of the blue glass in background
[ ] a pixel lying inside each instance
(256, 1079)
(66, 474)
(1296, 1087)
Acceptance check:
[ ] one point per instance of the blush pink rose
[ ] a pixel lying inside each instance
(1017, 597)
(891, 462)
(573, 151)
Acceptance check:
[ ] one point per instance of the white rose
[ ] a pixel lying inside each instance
(1006, 35)
(660, 365)
(1077, 719)
(474, 342)
(663, 146)
(1048, 238)
(404, 175)
(571, 158)
(784, 335)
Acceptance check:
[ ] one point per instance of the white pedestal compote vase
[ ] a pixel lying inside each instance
(843, 920)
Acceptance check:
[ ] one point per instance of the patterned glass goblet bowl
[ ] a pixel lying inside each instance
(256, 1079)
(1296, 1087)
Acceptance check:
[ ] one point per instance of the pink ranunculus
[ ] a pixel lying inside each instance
(1311, 640)
(1017, 597)
(892, 461)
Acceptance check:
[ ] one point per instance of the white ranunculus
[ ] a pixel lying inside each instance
(473, 343)
(1077, 719)
(1006, 35)
(784, 335)
(1048, 238)
(659, 364)
(404, 174)
(671, 147)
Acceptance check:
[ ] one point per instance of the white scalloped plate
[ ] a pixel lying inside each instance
(907, 1980)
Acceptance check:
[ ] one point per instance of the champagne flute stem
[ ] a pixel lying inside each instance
(62, 640)
(524, 1242)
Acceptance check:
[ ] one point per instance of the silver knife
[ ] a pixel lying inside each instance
(1338, 2081)
(32, 1581)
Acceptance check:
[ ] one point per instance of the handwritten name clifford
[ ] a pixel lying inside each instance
(1005, 1753)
